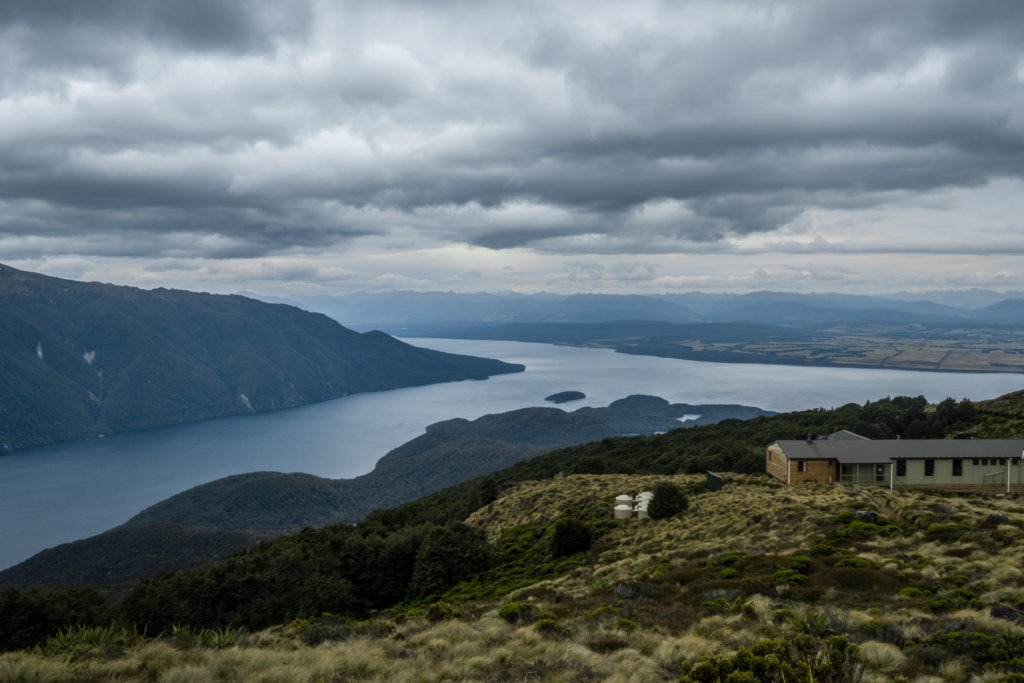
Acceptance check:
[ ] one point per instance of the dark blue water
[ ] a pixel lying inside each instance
(61, 493)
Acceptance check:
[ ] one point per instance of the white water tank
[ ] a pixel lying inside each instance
(623, 506)
(642, 500)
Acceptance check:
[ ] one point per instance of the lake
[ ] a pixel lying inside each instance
(56, 494)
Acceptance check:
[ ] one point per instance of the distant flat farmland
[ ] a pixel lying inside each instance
(911, 347)
(945, 347)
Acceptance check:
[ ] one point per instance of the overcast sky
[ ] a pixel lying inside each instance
(316, 147)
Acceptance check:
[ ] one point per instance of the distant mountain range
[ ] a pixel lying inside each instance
(828, 330)
(414, 313)
(81, 360)
(216, 519)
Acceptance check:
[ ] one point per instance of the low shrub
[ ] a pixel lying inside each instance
(517, 612)
(604, 643)
(854, 562)
(801, 563)
(440, 611)
(789, 576)
(958, 598)
(1002, 651)
(778, 660)
(796, 570)
(547, 623)
(852, 526)
(823, 549)
(732, 558)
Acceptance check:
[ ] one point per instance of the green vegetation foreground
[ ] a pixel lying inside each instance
(495, 580)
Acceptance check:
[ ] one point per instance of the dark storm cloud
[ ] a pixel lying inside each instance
(263, 127)
(69, 31)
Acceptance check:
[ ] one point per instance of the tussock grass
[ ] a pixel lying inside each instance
(881, 657)
(649, 598)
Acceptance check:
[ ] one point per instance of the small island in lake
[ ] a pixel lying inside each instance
(566, 396)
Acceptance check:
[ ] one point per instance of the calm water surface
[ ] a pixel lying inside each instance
(57, 494)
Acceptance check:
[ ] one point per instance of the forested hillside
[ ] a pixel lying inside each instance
(80, 360)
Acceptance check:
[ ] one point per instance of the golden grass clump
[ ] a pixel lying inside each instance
(881, 657)
(186, 673)
(25, 666)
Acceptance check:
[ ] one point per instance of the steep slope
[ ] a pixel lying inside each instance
(79, 360)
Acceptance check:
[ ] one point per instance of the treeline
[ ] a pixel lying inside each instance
(342, 569)
(421, 549)
(347, 570)
(29, 617)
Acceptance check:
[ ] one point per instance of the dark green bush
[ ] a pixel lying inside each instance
(789, 576)
(732, 558)
(547, 623)
(988, 651)
(801, 563)
(440, 611)
(958, 598)
(823, 549)
(668, 501)
(570, 536)
(517, 612)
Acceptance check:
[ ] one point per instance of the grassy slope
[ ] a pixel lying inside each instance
(652, 597)
(863, 584)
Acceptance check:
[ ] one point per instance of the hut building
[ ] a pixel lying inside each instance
(965, 465)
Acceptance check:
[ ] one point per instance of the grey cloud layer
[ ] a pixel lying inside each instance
(239, 129)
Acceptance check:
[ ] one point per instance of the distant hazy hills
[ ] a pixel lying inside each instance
(436, 313)
(215, 519)
(966, 331)
(79, 359)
